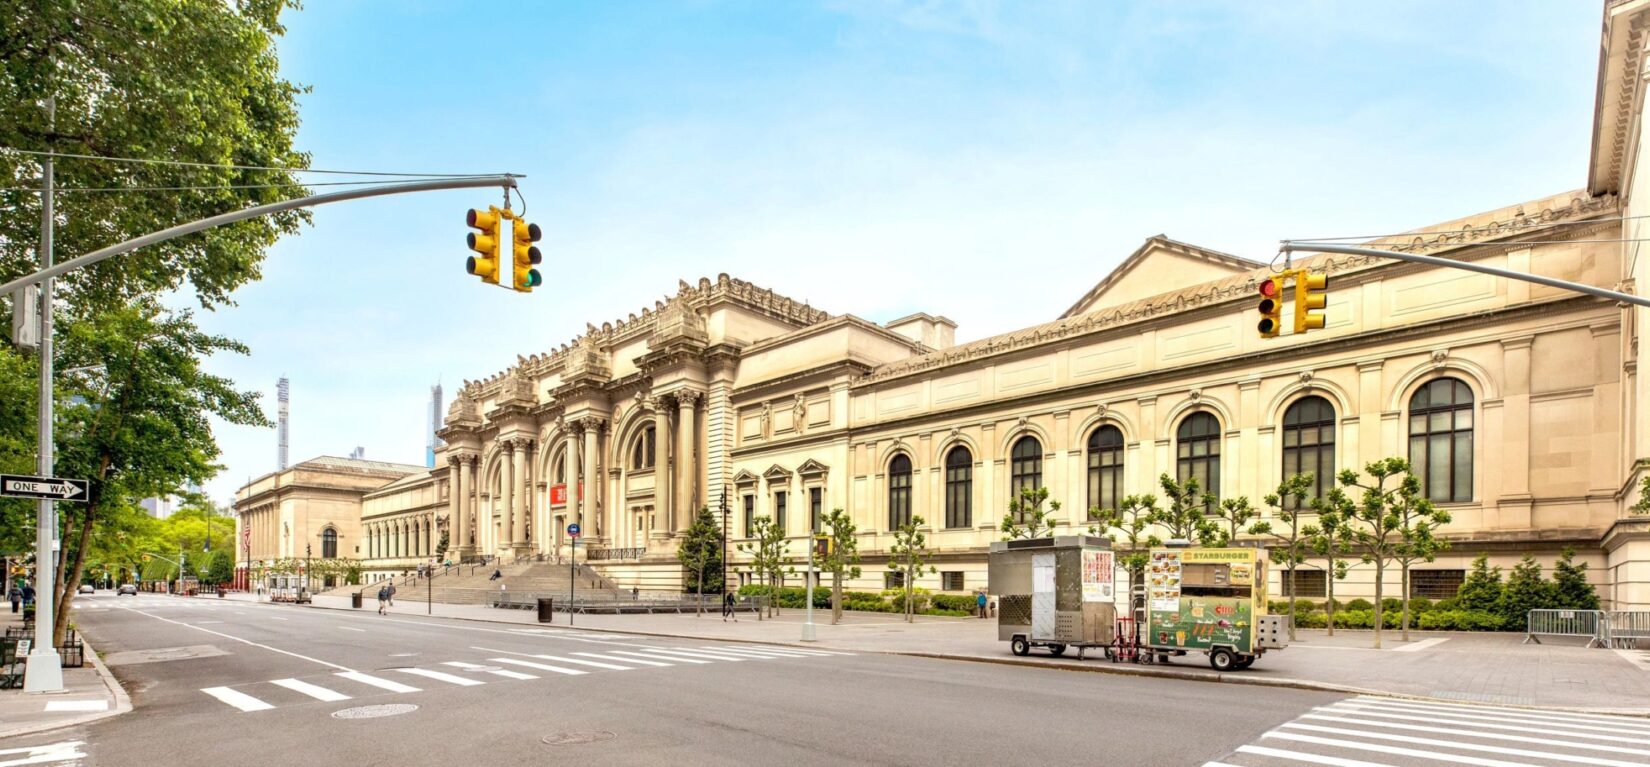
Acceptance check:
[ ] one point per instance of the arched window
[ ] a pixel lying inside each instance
(329, 544)
(1197, 445)
(959, 487)
(1440, 439)
(1025, 470)
(899, 491)
(641, 454)
(558, 466)
(1105, 467)
(1309, 443)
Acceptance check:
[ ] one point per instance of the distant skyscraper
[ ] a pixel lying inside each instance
(281, 392)
(436, 419)
(358, 453)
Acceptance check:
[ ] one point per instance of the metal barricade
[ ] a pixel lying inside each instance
(1624, 628)
(1577, 623)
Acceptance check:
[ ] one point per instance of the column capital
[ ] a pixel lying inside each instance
(687, 398)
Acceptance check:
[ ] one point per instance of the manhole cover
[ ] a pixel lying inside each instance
(576, 738)
(373, 712)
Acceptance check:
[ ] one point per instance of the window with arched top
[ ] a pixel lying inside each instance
(1105, 460)
(558, 467)
(1309, 444)
(1440, 439)
(959, 487)
(641, 453)
(899, 491)
(1197, 451)
(329, 544)
(1025, 469)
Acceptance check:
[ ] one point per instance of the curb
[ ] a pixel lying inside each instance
(123, 702)
(1108, 668)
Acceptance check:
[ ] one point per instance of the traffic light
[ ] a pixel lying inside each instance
(1309, 296)
(822, 546)
(484, 242)
(1271, 308)
(524, 255)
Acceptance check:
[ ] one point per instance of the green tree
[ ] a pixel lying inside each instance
(701, 556)
(769, 560)
(1375, 519)
(1481, 589)
(1571, 591)
(1291, 542)
(221, 569)
(907, 555)
(1026, 517)
(1418, 523)
(1225, 520)
(843, 559)
(1131, 521)
(1331, 539)
(1183, 518)
(1525, 591)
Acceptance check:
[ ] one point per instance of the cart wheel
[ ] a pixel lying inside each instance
(1020, 646)
(1222, 659)
(1056, 650)
(1245, 663)
(1111, 653)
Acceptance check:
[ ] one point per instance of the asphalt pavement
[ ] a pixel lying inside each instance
(222, 682)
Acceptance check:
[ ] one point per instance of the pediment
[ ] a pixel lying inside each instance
(1160, 265)
(744, 477)
(811, 467)
(777, 472)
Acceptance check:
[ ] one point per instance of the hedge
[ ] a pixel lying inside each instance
(890, 601)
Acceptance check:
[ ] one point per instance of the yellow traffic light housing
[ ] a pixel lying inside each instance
(524, 255)
(1309, 297)
(822, 546)
(1271, 307)
(484, 242)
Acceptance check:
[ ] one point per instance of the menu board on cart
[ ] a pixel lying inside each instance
(1098, 570)
(1163, 581)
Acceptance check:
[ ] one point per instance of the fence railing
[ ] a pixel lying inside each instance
(1602, 628)
(623, 603)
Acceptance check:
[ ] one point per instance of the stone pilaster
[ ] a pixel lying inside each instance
(686, 459)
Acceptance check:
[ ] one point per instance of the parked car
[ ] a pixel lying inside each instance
(86, 588)
(127, 588)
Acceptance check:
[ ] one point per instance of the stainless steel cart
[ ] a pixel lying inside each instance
(1054, 593)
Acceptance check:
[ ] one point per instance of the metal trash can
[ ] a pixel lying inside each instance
(546, 609)
(355, 599)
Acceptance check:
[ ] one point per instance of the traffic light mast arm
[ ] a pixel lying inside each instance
(507, 181)
(1289, 246)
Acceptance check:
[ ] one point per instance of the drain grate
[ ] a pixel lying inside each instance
(578, 738)
(373, 712)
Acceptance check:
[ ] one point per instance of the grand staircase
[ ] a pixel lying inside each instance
(474, 585)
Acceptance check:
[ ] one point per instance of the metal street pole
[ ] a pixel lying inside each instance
(44, 670)
(808, 626)
(573, 572)
(724, 507)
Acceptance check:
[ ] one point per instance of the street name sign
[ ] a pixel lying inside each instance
(50, 488)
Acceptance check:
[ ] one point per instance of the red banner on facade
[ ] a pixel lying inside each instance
(558, 494)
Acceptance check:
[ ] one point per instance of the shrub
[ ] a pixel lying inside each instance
(1418, 605)
(1360, 605)
(1481, 591)
(1354, 619)
(953, 602)
(1309, 620)
(1392, 605)
(1447, 603)
(1302, 606)
(1460, 620)
(1571, 591)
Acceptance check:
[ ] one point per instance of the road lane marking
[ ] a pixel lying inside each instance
(703, 654)
(243, 641)
(1332, 761)
(347, 628)
(441, 677)
(1457, 744)
(275, 618)
(1471, 734)
(765, 653)
(656, 656)
(540, 666)
(1421, 645)
(504, 672)
(313, 691)
(392, 686)
(47, 754)
(599, 656)
(237, 699)
(1566, 730)
(1521, 716)
(78, 705)
(776, 650)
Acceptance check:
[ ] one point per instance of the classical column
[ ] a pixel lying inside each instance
(518, 496)
(662, 486)
(429, 534)
(685, 469)
(460, 520)
(575, 507)
(453, 495)
(592, 477)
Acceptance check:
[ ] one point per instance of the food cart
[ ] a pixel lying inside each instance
(1054, 593)
(1213, 600)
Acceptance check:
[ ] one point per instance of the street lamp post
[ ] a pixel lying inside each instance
(303, 581)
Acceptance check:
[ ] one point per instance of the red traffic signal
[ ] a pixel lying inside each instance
(1270, 307)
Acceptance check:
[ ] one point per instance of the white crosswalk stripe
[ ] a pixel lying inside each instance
(1370, 730)
(504, 672)
(702, 654)
(380, 682)
(634, 661)
(656, 656)
(440, 676)
(237, 699)
(594, 663)
(540, 666)
(314, 691)
(52, 753)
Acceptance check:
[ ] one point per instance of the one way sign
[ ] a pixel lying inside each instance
(22, 486)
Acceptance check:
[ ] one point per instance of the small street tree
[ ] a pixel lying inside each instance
(701, 556)
(1331, 539)
(908, 556)
(843, 559)
(1571, 591)
(1026, 517)
(1131, 522)
(1290, 541)
(769, 558)
(1374, 519)
(1418, 523)
(1225, 520)
(1183, 516)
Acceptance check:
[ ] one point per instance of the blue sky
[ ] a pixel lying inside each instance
(985, 161)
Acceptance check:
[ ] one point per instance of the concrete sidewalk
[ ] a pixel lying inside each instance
(1494, 668)
(89, 693)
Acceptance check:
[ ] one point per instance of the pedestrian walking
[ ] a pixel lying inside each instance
(383, 598)
(727, 607)
(979, 601)
(389, 595)
(495, 576)
(28, 594)
(15, 594)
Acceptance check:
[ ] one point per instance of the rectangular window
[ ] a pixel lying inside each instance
(779, 510)
(893, 579)
(816, 507)
(1308, 583)
(1435, 584)
(951, 580)
(750, 516)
